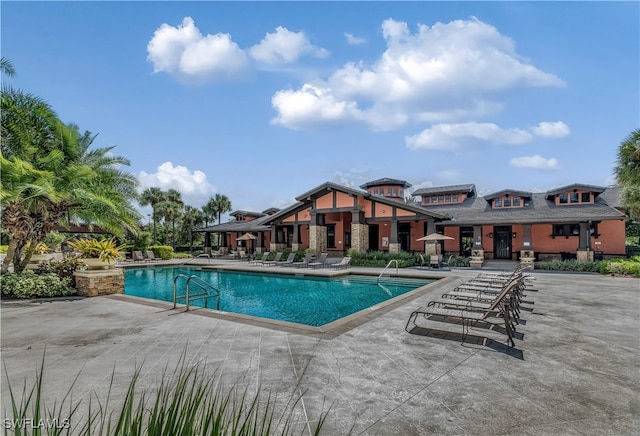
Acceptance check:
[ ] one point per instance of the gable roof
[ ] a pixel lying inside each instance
(386, 181)
(477, 211)
(577, 186)
(508, 191)
(468, 188)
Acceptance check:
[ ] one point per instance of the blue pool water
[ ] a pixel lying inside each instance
(313, 301)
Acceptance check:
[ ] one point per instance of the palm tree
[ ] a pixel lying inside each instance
(70, 180)
(152, 196)
(171, 208)
(192, 217)
(221, 204)
(628, 173)
(6, 67)
(209, 211)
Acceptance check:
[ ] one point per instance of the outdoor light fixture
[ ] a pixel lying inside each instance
(514, 235)
(491, 234)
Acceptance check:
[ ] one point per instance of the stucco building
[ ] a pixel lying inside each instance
(577, 220)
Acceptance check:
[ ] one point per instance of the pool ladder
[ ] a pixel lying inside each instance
(385, 268)
(205, 287)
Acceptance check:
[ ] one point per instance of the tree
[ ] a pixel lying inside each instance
(49, 173)
(191, 218)
(171, 208)
(151, 197)
(221, 204)
(6, 67)
(628, 173)
(209, 212)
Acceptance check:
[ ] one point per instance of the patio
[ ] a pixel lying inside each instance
(575, 371)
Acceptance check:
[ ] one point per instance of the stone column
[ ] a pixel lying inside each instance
(584, 253)
(527, 254)
(359, 232)
(317, 234)
(394, 245)
(295, 244)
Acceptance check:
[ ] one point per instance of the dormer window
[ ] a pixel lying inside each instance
(563, 198)
(516, 201)
(586, 197)
(497, 202)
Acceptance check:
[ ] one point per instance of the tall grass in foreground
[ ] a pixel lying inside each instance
(186, 401)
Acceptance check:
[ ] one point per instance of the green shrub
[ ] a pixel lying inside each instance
(64, 268)
(165, 252)
(29, 285)
(382, 258)
(458, 261)
(625, 267)
(570, 265)
(3, 249)
(182, 256)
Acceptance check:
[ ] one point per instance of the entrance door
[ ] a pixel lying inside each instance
(404, 235)
(502, 242)
(374, 237)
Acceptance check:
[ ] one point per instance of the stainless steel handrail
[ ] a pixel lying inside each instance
(385, 268)
(205, 286)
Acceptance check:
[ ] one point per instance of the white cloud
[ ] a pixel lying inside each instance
(284, 47)
(537, 162)
(552, 129)
(456, 136)
(184, 52)
(354, 40)
(439, 73)
(192, 184)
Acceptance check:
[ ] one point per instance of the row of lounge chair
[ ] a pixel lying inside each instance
(488, 302)
(307, 262)
(137, 256)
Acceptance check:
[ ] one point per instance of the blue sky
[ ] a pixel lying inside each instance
(262, 101)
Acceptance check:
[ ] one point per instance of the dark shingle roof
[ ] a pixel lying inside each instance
(386, 181)
(479, 211)
(579, 186)
(469, 187)
(508, 191)
(256, 225)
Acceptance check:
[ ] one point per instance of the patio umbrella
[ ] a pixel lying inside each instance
(246, 237)
(434, 237)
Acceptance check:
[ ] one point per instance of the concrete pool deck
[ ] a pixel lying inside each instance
(575, 370)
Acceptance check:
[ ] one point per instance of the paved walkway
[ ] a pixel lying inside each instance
(575, 370)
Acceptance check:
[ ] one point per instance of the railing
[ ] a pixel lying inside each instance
(188, 297)
(385, 268)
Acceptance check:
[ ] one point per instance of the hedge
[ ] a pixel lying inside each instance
(165, 252)
(29, 285)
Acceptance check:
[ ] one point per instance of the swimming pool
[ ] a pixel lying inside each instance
(313, 301)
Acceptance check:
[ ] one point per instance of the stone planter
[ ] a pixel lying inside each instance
(97, 264)
(37, 259)
(100, 282)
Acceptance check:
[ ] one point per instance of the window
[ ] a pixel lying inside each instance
(566, 230)
(331, 236)
(527, 202)
(497, 202)
(402, 193)
(507, 202)
(516, 201)
(563, 198)
(388, 192)
(347, 239)
(426, 199)
(455, 198)
(586, 197)
(434, 199)
(440, 198)
(573, 197)
(447, 198)
(395, 192)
